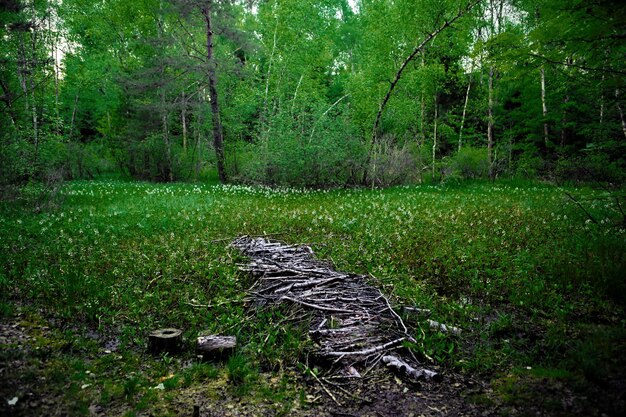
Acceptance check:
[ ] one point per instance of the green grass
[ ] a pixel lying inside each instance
(518, 266)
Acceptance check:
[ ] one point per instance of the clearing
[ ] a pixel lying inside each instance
(534, 282)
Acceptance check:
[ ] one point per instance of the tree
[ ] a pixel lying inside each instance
(218, 136)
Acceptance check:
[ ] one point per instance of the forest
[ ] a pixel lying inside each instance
(312, 93)
(394, 207)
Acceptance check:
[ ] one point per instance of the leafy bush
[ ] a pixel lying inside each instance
(392, 163)
(529, 165)
(300, 151)
(591, 166)
(470, 163)
(87, 160)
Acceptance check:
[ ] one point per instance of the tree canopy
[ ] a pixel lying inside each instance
(312, 92)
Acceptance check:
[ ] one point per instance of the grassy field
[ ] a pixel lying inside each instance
(535, 281)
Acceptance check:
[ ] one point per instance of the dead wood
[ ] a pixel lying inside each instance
(443, 328)
(165, 340)
(213, 346)
(408, 370)
(352, 323)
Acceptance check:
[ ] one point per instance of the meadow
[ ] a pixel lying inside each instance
(532, 273)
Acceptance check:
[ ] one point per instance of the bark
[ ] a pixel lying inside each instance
(166, 139)
(564, 121)
(165, 340)
(467, 93)
(23, 71)
(55, 56)
(408, 370)
(490, 124)
(74, 114)
(602, 101)
(218, 137)
(164, 112)
(435, 325)
(7, 98)
(215, 346)
(621, 111)
(183, 117)
(33, 102)
(544, 107)
(324, 114)
(435, 134)
(269, 70)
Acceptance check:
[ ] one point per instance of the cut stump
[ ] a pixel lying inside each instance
(167, 340)
(215, 347)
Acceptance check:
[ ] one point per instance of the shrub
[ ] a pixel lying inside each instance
(470, 163)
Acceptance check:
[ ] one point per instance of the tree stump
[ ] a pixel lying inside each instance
(165, 340)
(215, 347)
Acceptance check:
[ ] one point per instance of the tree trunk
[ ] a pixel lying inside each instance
(218, 139)
(467, 93)
(602, 101)
(564, 121)
(490, 124)
(7, 97)
(544, 107)
(214, 346)
(435, 134)
(164, 112)
(413, 54)
(165, 340)
(73, 115)
(183, 117)
(419, 48)
(55, 57)
(621, 111)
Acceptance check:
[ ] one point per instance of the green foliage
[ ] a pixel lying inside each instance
(517, 265)
(470, 163)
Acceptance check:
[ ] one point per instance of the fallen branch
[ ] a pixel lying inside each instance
(443, 328)
(369, 351)
(403, 367)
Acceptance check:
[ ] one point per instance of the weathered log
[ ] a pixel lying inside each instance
(213, 346)
(167, 340)
(408, 370)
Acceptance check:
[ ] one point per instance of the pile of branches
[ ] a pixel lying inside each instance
(352, 323)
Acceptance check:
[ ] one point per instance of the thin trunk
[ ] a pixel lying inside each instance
(183, 117)
(269, 68)
(7, 97)
(33, 102)
(73, 114)
(544, 107)
(467, 93)
(165, 127)
(621, 112)
(218, 139)
(564, 121)
(55, 56)
(602, 101)
(490, 124)
(23, 71)
(413, 54)
(324, 114)
(510, 164)
(422, 107)
(295, 94)
(435, 134)
(164, 111)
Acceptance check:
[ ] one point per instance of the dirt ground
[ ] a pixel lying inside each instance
(27, 353)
